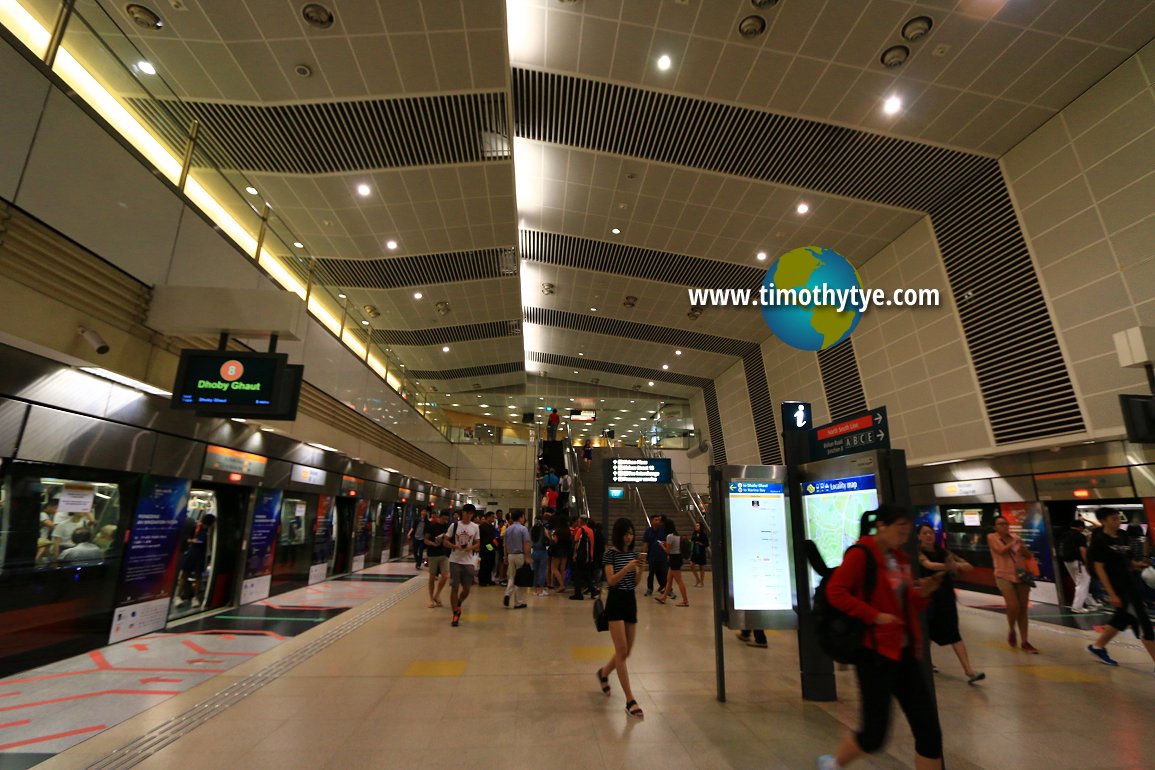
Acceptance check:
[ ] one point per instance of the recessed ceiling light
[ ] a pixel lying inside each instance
(631, 401)
(455, 404)
(665, 366)
(803, 208)
(363, 190)
(616, 231)
(593, 310)
(664, 62)
(298, 245)
(761, 256)
(251, 190)
(575, 371)
(269, 430)
(892, 105)
(417, 295)
(445, 349)
(581, 353)
(366, 323)
(239, 419)
(391, 245)
(146, 67)
(677, 352)
(487, 414)
(484, 406)
(341, 296)
(625, 410)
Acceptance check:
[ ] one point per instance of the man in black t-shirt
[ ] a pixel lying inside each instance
(1114, 563)
(488, 555)
(438, 555)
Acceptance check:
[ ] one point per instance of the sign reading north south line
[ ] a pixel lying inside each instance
(862, 432)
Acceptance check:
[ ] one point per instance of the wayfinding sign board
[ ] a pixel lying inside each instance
(759, 545)
(863, 432)
(640, 470)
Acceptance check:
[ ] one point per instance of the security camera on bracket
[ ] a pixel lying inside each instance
(93, 338)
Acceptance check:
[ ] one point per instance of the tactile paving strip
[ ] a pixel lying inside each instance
(181, 725)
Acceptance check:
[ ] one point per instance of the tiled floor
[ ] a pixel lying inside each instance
(516, 689)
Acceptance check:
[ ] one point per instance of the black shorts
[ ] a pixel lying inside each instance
(621, 605)
(676, 563)
(1133, 615)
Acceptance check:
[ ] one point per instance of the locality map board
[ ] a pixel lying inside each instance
(759, 546)
(833, 511)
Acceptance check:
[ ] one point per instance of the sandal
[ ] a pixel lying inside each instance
(604, 681)
(634, 710)
(682, 604)
(659, 600)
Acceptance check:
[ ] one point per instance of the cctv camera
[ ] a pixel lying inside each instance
(94, 339)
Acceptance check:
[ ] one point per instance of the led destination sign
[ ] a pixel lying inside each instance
(654, 470)
(231, 382)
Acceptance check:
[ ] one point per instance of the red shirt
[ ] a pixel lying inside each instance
(845, 593)
(550, 498)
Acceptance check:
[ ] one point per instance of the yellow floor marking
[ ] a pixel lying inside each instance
(436, 668)
(1060, 674)
(592, 653)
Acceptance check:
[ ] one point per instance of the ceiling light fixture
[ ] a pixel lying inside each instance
(146, 67)
(317, 16)
(341, 296)
(803, 208)
(442, 308)
(629, 301)
(366, 323)
(593, 310)
(581, 353)
(895, 56)
(251, 190)
(664, 62)
(445, 349)
(616, 231)
(892, 105)
(547, 289)
(917, 28)
(677, 352)
(391, 245)
(665, 366)
(761, 256)
(651, 383)
(751, 26)
(298, 245)
(143, 17)
(417, 295)
(363, 190)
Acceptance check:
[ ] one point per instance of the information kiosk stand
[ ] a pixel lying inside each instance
(753, 566)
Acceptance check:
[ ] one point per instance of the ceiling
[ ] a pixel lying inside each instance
(503, 141)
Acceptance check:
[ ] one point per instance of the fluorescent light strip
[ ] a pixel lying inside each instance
(32, 34)
(942, 462)
(120, 379)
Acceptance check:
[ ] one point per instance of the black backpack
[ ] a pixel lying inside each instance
(581, 549)
(840, 635)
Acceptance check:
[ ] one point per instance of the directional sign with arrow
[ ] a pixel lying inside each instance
(863, 432)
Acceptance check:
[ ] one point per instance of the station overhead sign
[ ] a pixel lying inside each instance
(863, 432)
(640, 470)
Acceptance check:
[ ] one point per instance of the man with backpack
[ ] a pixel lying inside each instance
(583, 560)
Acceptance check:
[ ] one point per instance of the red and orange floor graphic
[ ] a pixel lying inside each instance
(49, 709)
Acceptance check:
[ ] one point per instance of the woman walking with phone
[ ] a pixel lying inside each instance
(622, 567)
(888, 667)
(942, 618)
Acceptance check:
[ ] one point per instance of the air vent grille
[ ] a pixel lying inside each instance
(637, 331)
(762, 407)
(714, 421)
(841, 381)
(399, 272)
(469, 371)
(336, 137)
(1006, 323)
(612, 367)
(444, 334)
(619, 259)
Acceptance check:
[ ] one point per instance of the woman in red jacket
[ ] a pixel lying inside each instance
(889, 667)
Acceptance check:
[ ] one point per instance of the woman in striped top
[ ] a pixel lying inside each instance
(622, 567)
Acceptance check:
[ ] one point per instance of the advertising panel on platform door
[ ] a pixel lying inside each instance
(363, 528)
(322, 539)
(150, 558)
(1028, 522)
(262, 541)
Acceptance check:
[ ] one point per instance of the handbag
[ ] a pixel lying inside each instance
(1025, 577)
(600, 621)
(523, 577)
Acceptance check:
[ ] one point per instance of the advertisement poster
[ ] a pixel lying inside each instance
(323, 531)
(929, 514)
(151, 556)
(363, 527)
(1027, 521)
(262, 542)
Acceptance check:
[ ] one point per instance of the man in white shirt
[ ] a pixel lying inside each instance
(464, 540)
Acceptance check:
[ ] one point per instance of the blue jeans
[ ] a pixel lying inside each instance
(540, 560)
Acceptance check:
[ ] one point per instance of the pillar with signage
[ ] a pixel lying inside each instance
(752, 569)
